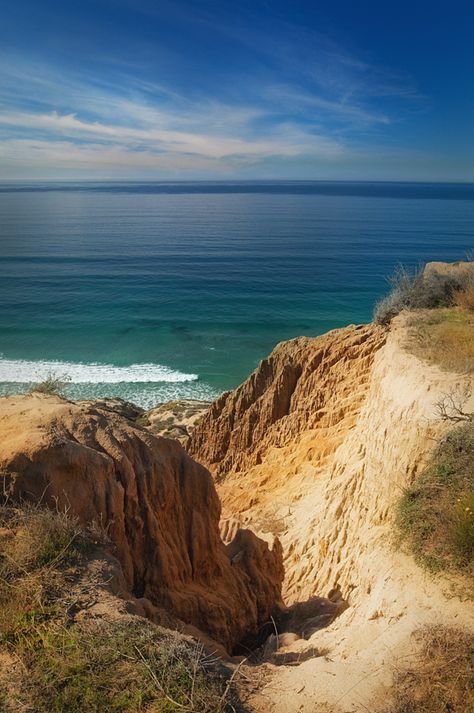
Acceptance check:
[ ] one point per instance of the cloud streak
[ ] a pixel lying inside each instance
(54, 122)
(154, 145)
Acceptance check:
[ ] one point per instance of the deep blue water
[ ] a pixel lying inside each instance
(153, 291)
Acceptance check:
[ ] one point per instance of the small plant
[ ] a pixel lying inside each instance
(143, 421)
(53, 385)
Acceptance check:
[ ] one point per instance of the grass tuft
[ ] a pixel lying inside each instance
(52, 385)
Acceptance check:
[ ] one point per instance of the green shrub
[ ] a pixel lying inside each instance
(143, 421)
(436, 514)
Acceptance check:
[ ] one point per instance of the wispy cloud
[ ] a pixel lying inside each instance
(305, 102)
(299, 101)
(285, 140)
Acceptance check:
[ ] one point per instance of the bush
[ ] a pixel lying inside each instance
(143, 421)
(53, 384)
(419, 290)
(436, 514)
(441, 678)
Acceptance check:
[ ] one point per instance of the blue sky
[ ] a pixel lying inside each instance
(184, 90)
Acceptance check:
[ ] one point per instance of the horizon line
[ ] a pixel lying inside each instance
(235, 181)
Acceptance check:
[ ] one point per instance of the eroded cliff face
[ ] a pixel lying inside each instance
(304, 385)
(270, 439)
(159, 506)
(317, 446)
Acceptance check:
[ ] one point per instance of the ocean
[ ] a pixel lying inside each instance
(156, 291)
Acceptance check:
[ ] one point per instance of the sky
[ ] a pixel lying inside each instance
(220, 90)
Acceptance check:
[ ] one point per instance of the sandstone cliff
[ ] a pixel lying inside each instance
(317, 446)
(159, 506)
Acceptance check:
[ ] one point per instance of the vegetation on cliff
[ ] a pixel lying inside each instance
(429, 287)
(444, 337)
(436, 513)
(55, 658)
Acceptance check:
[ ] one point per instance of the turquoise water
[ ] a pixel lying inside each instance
(157, 291)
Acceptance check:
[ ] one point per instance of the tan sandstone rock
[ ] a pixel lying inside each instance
(175, 419)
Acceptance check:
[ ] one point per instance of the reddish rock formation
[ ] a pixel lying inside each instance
(160, 506)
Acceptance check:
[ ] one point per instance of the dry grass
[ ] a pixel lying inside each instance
(420, 290)
(36, 546)
(106, 665)
(86, 665)
(436, 514)
(441, 679)
(443, 337)
(465, 299)
(53, 384)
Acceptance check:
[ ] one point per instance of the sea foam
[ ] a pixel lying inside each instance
(30, 372)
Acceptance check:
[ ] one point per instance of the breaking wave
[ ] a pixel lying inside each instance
(30, 372)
